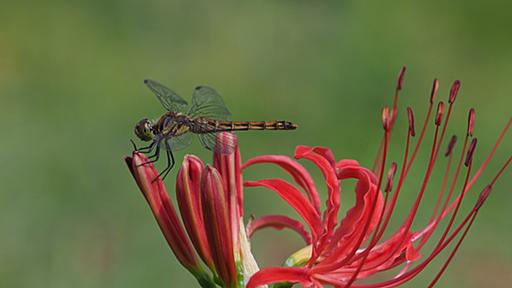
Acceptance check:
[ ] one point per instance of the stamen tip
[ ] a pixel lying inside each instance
(400, 79)
(440, 112)
(451, 145)
(435, 86)
(391, 176)
(410, 115)
(471, 151)
(454, 90)
(385, 118)
(471, 121)
(483, 196)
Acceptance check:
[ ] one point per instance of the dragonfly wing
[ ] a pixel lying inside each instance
(207, 103)
(225, 144)
(169, 99)
(180, 142)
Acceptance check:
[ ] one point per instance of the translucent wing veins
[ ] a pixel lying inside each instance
(169, 99)
(206, 102)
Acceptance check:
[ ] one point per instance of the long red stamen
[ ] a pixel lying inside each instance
(373, 241)
(491, 154)
(501, 171)
(429, 230)
(484, 164)
(389, 208)
(453, 251)
(327, 264)
(435, 87)
(441, 192)
(405, 227)
(468, 163)
(451, 100)
(405, 277)
(398, 88)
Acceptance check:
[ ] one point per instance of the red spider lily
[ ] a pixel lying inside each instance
(341, 253)
(210, 203)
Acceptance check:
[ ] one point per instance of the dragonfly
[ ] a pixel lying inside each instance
(206, 116)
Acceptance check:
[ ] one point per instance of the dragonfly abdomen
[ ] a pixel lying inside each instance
(252, 125)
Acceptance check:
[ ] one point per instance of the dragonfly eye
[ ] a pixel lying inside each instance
(144, 130)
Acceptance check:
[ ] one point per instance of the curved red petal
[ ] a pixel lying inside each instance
(346, 163)
(294, 197)
(348, 234)
(278, 222)
(324, 159)
(299, 174)
(279, 274)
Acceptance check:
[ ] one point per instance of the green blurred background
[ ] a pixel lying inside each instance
(71, 90)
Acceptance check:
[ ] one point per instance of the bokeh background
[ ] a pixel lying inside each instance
(71, 90)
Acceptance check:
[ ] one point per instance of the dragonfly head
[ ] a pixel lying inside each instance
(144, 130)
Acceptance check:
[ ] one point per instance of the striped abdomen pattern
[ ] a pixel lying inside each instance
(219, 126)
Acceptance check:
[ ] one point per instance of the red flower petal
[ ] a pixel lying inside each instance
(279, 274)
(278, 222)
(324, 159)
(347, 235)
(295, 198)
(300, 175)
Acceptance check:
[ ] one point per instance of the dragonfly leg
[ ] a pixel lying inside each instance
(156, 156)
(148, 148)
(170, 162)
(134, 145)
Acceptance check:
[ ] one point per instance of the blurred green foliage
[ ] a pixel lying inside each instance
(71, 90)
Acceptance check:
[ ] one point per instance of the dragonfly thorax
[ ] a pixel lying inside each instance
(172, 124)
